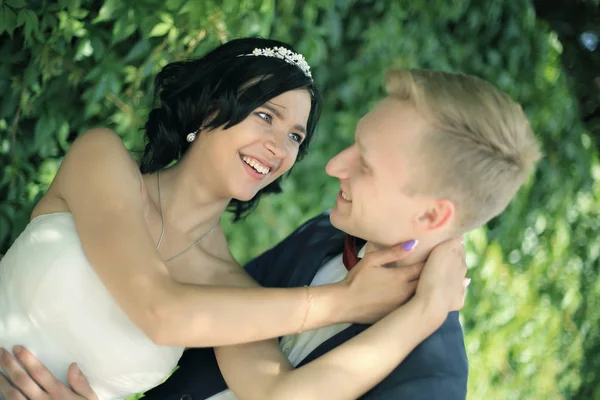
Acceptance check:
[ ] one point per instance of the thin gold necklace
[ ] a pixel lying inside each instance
(162, 229)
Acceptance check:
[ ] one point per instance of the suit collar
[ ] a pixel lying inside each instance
(318, 245)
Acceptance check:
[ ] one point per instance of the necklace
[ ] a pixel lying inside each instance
(162, 229)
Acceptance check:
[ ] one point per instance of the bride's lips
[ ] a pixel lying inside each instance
(254, 174)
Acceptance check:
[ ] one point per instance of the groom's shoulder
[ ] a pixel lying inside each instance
(436, 369)
(319, 222)
(313, 230)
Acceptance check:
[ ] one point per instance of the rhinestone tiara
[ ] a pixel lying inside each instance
(286, 55)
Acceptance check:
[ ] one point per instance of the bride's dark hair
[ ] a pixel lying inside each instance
(225, 85)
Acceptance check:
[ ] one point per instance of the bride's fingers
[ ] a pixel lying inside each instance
(38, 372)
(8, 392)
(79, 383)
(19, 378)
(54, 388)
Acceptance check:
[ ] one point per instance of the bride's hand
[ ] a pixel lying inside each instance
(443, 283)
(376, 288)
(37, 382)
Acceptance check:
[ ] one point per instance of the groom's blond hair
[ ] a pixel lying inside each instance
(481, 148)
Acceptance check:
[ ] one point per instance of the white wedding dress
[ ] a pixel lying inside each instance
(53, 303)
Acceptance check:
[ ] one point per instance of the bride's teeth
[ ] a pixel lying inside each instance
(345, 197)
(256, 165)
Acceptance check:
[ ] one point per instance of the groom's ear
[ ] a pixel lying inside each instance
(439, 214)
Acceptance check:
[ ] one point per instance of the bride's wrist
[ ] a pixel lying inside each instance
(431, 309)
(327, 305)
(343, 303)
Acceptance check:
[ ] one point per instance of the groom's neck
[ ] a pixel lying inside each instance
(418, 254)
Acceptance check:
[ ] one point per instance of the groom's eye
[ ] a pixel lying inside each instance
(363, 164)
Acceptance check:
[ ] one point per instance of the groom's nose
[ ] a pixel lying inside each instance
(339, 166)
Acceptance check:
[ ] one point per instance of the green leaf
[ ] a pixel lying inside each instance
(173, 34)
(16, 3)
(173, 5)
(21, 18)
(8, 20)
(69, 4)
(84, 49)
(160, 30)
(123, 29)
(62, 134)
(167, 18)
(100, 89)
(98, 46)
(107, 11)
(140, 49)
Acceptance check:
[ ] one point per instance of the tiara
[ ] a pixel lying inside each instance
(286, 55)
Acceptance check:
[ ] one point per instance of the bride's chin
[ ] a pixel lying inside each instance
(247, 193)
(244, 196)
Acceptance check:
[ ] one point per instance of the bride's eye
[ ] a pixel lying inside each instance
(296, 137)
(267, 117)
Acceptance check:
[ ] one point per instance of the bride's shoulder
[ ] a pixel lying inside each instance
(96, 155)
(99, 149)
(97, 166)
(100, 141)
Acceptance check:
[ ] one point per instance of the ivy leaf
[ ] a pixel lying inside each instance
(29, 20)
(8, 20)
(16, 3)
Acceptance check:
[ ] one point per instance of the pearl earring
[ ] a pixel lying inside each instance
(191, 137)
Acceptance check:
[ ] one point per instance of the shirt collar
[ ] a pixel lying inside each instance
(361, 252)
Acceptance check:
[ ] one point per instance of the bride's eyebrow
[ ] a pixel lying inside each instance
(278, 114)
(281, 116)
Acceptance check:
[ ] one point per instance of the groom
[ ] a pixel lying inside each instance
(441, 155)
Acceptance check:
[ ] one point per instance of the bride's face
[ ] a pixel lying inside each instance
(250, 155)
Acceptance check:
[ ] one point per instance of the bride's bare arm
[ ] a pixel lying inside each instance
(102, 187)
(259, 371)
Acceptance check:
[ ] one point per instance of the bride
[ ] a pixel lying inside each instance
(124, 266)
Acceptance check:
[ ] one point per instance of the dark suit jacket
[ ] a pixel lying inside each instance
(436, 370)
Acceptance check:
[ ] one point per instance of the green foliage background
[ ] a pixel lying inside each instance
(532, 319)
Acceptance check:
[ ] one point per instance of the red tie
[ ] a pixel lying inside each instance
(350, 256)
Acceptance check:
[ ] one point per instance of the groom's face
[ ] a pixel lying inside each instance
(373, 202)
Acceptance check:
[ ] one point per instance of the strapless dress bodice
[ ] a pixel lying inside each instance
(53, 303)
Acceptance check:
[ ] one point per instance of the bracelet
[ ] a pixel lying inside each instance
(308, 306)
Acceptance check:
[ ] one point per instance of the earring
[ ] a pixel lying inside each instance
(191, 137)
